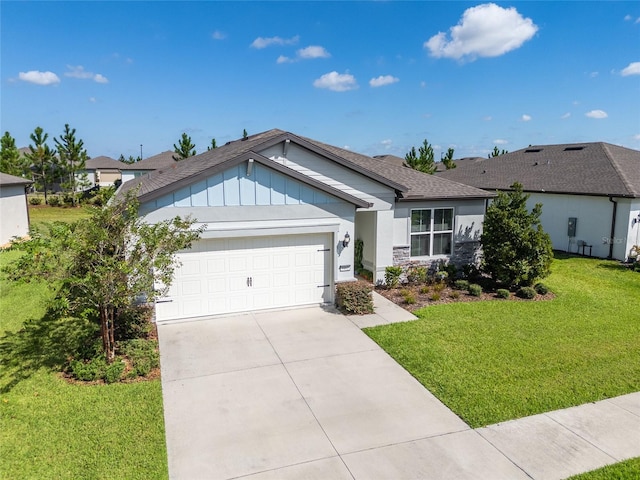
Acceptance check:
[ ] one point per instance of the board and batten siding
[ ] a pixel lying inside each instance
(333, 174)
(234, 188)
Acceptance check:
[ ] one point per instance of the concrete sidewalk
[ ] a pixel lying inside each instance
(305, 394)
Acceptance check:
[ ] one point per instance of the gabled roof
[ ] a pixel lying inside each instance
(595, 168)
(409, 183)
(103, 162)
(7, 180)
(161, 160)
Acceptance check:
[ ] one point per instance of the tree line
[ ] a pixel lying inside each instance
(424, 161)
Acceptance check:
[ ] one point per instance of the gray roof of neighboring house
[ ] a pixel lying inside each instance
(161, 160)
(6, 180)
(103, 162)
(409, 183)
(595, 168)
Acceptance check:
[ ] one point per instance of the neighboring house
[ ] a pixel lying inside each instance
(283, 213)
(102, 172)
(590, 192)
(157, 162)
(14, 213)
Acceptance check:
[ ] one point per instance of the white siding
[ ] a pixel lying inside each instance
(333, 174)
(13, 213)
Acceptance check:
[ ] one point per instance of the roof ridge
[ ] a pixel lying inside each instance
(616, 167)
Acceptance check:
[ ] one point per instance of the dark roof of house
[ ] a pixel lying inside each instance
(595, 168)
(409, 183)
(6, 180)
(103, 162)
(391, 159)
(161, 160)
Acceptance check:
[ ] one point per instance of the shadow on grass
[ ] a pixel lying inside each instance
(47, 342)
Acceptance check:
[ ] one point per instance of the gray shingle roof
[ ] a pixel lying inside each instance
(595, 168)
(103, 162)
(409, 183)
(161, 160)
(6, 180)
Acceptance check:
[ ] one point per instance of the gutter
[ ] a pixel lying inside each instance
(613, 226)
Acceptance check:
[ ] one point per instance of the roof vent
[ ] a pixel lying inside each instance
(569, 149)
(533, 150)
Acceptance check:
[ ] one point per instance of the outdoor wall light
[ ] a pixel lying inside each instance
(347, 239)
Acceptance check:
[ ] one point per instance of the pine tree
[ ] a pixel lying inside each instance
(448, 159)
(11, 161)
(496, 152)
(42, 158)
(422, 161)
(184, 149)
(213, 144)
(73, 157)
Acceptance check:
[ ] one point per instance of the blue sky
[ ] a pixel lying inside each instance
(375, 77)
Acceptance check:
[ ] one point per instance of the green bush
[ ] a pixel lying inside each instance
(636, 267)
(418, 274)
(503, 293)
(113, 372)
(475, 290)
(392, 276)
(354, 297)
(461, 284)
(435, 297)
(35, 201)
(541, 288)
(526, 292)
(424, 290)
(408, 296)
(89, 371)
(438, 287)
(455, 295)
(358, 251)
(143, 355)
(54, 200)
(134, 322)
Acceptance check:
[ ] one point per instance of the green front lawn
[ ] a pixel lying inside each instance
(499, 360)
(626, 470)
(52, 429)
(45, 214)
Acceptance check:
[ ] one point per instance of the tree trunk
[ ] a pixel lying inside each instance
(107, 331)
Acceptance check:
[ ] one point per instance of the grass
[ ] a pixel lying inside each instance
(45, 214)
(52, 429)
(494, 361)
(619, 471)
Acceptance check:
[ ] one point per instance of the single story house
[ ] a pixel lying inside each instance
(282, 215)
(102, 171)
(134, 170)
(14, 212)
(590, 192)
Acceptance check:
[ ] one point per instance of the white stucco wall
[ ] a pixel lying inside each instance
(633, 223)
(14, 217)
(594, 215)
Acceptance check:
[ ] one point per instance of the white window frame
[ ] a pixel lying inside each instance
(431, 233)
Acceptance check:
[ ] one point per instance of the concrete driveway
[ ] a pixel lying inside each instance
(306, 394)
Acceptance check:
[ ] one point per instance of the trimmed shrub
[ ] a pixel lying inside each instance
(526, 292)
(54, 200)
(475, 290)
(143, 355)
(35, 201)
(392, 276)
(461, 284)
(455, 295)
(354, 297)
(90, 370)
(424, 290)
(435, 297)
(134, 322)
(503, 293)
(408, 296)
(541, 288)
(113, 372)
(438, 287)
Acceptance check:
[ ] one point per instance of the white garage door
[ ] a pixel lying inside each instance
(251, 273)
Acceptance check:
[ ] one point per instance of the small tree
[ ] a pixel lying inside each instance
(11, 161)
(42, 158)
(129, 160)
(73, 157)
(184, 149)
(516, 250)
(496, 152)
(213, 144)
(103, 263)
(448, 159)
(245, 135)
(422, 160)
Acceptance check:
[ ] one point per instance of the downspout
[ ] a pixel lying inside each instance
(613, 226)
(26, 200)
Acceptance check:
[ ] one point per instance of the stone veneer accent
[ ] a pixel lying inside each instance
(464, 253)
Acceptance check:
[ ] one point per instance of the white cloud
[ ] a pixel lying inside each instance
(264, 42)
(337, 82)
(92, 99)
(313, 51)
(632, 69)
(566, 115)
(79, 72)
(39, 78)
(283, 59)
(629, 18)
(483, 31)
(218, 35)
(383, 80)
(525, 118)
(387, 143)
(636, 136)
(488, 118)
(596, 114)
(593, 74)
(500, 141)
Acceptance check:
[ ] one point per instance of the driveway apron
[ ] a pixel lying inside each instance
(305, 393)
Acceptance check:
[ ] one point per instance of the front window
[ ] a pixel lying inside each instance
(431, 232)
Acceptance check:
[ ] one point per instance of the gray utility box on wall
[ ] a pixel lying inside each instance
(571, 226)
